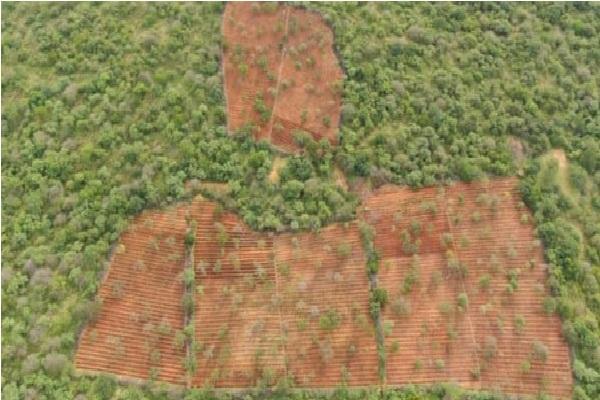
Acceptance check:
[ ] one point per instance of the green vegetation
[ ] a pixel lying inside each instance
(108, 109)
(189, 302)
(330, 320)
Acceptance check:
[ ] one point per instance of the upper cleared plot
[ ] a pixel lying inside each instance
(281, 73)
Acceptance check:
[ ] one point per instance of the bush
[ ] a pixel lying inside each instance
(490, 348)
(330, 320)
(463, 301)
(401, 306)
(55, 363)
(540, 351)
(104, 387)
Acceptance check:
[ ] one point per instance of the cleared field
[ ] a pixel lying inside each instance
(470, 251)
(463, 269)
(141, 294)
(323, 290)
(281, 74)
(237, 322)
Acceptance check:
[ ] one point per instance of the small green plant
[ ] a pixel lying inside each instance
(456, 268)
(484, 282)
(344, 250)
(549, 305)
(440, 364)
(463, 301)
(525, 366)
(447, 240)
(401, 306)
(539, 351)
(429, 206)
(490, 348)
(513, 280)
(519, 323)
(446, 308)
(330, 320)
(418, 364)
(303, 117)
(261, 108)
(117, 289)
(388, 326)
(452, 333)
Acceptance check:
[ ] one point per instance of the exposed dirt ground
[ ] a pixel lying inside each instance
(473, 239)
(281, 73)
(261, 297)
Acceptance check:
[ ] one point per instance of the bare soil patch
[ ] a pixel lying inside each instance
(478, 245)
(278, 164)
(133, 335)
(463, 268)
(281, 73)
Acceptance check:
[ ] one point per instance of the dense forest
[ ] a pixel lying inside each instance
(112, 108)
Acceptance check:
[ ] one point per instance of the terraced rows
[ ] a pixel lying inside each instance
(237, 325)
(464, 273)
(506, 288)
(141, 303)
(325, 307)
(280, 73)
(483, 246)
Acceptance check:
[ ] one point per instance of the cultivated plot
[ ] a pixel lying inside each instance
(281, 73)
(135, 332)
(462, 266)
(466, 277)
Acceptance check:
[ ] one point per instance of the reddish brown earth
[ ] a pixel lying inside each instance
(141, 291)
(284, 56)
(319, 274)
(261, 297)
(487, 233)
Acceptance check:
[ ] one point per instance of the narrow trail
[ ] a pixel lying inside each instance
(462, 284)
(279, 74)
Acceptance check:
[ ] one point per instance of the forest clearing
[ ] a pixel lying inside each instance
(297, 306)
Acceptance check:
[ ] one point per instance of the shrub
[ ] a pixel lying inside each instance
(463, 301)
(330, 320)
(418, 364)
(549, 305)
(440, 364)
(326, 351)
(484, 282)
(55, 363)
(447, 240)
(540, 351)
(401, 306)
(445, 308)
(41, 277)
(104, 387)
(30, 364)
(519, 323)
(525, 366)
(344, 250)
(490, 347)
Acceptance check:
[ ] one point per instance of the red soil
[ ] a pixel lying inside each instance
(320, 274)
(261, 297)
(142, 289)
(436, 340)
(283, 55)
